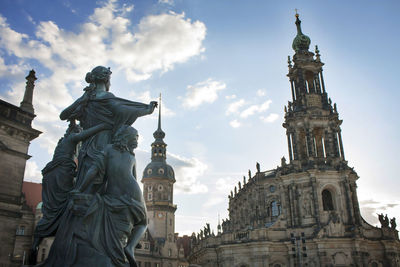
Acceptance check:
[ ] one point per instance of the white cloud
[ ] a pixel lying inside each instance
(270, 118)
(225, 185)
(202, 92)
(187, 173)
(168, 2)
(229, 97)
(235, 124)
(235, 106)
(213, 201)
(255, 109)
(261, 92)
(160, 42)
(32, 172)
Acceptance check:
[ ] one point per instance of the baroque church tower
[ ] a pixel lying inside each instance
(160, 245)
(306, 211)
(158, 188)
(312, 124)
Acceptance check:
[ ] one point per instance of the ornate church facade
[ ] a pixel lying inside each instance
(305, 212)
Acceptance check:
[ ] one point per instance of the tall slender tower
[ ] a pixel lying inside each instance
(311, 121)
(158, 186)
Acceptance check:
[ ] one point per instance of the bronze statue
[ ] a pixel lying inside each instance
(98, 219)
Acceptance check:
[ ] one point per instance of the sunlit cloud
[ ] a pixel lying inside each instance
(270, 118)
(202, 92)
(235, 123)
(106, 38)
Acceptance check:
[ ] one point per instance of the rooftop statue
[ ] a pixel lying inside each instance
(96, 213)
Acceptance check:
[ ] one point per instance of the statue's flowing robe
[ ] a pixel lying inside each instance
(107, 109)
(57, 182)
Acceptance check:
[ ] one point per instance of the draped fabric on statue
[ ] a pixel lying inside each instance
(110, 222)
(107, 109)
(57, 181)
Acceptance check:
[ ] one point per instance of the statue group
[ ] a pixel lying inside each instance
(92, 203)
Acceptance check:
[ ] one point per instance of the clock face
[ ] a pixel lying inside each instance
(160, 215)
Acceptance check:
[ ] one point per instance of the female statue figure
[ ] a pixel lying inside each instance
(96, 106)
(105, 215)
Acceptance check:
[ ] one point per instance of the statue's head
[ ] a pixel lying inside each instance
(125, 138)
(99, 74)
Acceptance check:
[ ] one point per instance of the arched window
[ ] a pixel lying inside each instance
(327, 200)
(274, 208)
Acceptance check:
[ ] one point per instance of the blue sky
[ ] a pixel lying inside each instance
(221, 67)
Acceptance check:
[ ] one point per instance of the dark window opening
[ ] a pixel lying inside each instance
(327, 200)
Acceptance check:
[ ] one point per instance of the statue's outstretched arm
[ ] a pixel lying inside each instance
(149, 110)
(91, 131)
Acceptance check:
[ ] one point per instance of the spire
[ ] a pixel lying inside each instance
(159, 148)
(159, 134)
(26, 103)
(301, 42)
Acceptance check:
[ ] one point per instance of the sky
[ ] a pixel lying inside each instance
(221, 69)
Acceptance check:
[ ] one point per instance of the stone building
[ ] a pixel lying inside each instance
(305, 212)
(16, 218)
(160, 245)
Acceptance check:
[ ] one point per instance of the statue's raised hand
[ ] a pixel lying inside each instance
(153, 105)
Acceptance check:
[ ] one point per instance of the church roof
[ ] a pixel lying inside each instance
(33, 194)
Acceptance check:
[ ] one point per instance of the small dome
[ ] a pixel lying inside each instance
(301, 42)
(156, 169)
(39, 206)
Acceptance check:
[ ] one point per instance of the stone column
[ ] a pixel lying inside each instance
(310, 143)
(293, 92)
(315, 200)
(341, 144)
(349, 206)
(294, 143)
(289, 146)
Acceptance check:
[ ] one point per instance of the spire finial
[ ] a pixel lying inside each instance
(297, 14)
(317, 54)
(301, 42)
(159, 134)
(159, 112)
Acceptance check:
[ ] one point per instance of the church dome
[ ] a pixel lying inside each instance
(301, 42)
(158, 169)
